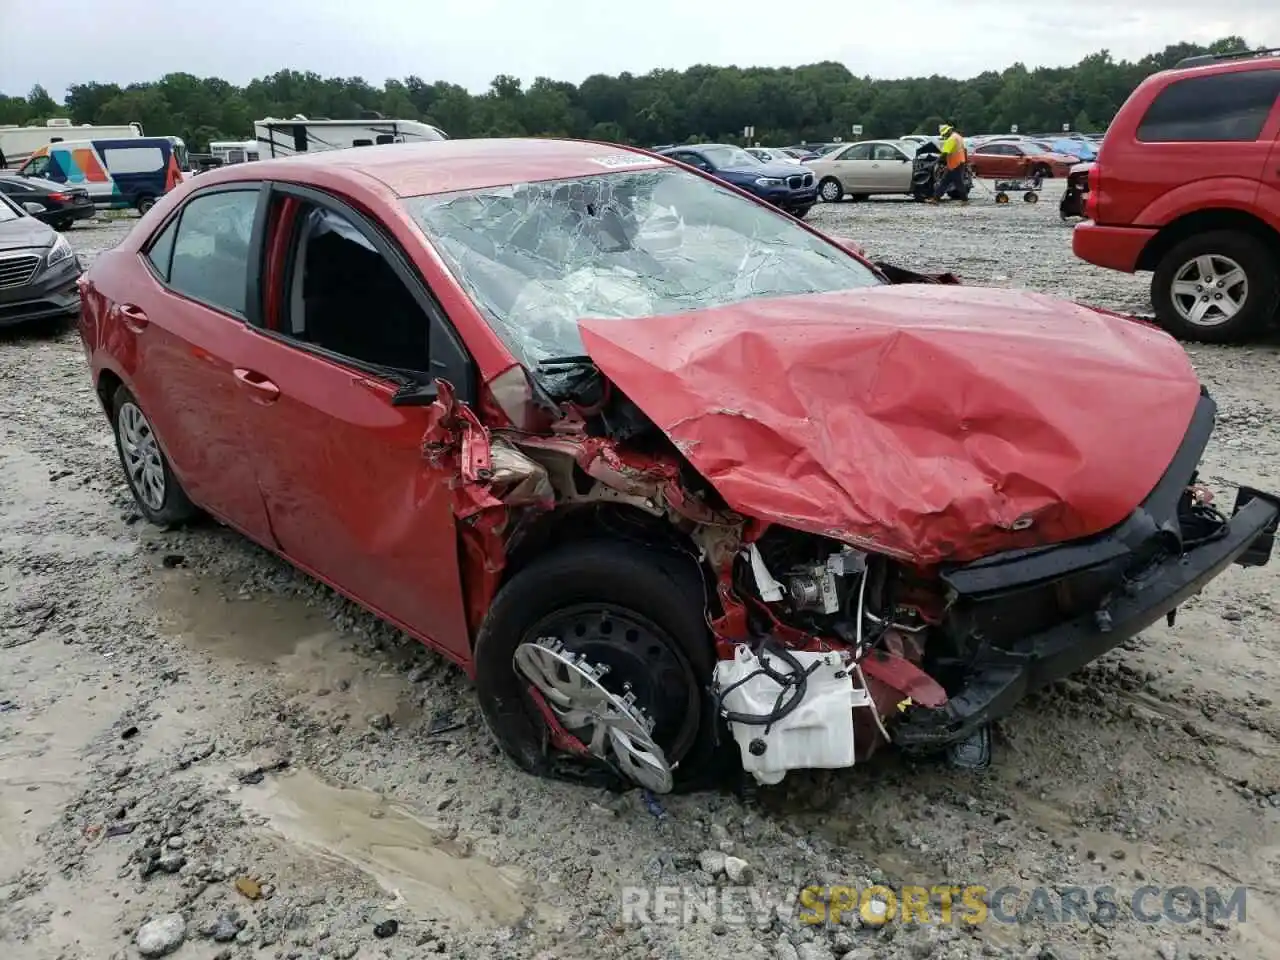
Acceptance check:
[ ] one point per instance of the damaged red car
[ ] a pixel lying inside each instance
(662, 468)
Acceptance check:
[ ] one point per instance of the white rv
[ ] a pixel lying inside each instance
(284, 138)
(234, 151)
(18, 143)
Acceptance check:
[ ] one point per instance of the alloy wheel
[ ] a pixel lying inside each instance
(142, 461)
(1209, 290)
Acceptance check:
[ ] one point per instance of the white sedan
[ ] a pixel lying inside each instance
(864, 169)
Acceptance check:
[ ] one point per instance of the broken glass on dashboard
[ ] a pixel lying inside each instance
(538, 257)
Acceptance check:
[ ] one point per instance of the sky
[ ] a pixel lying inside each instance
(59, 42)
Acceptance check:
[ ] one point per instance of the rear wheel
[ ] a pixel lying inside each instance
(1216, 287)
(145, 203)
(831, 190)
(146, 469)
(801, 212)
(612, 637)
(1042, 171)
(63, 224)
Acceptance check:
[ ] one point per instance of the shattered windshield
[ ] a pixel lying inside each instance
(538, 257)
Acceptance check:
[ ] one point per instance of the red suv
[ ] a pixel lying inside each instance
(1187, 185)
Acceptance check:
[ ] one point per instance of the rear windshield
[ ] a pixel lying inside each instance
(1219, 107)
(537, 257)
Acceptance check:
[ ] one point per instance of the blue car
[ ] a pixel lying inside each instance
(786, 185)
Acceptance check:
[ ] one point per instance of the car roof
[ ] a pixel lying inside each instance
(444, 166)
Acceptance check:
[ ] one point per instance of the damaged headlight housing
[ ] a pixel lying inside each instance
(60, 251)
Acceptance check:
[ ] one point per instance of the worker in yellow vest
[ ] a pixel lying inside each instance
(955, 157)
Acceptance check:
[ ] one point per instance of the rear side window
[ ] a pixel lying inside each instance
(1220, 107)
(161, 251)
(133, 159)
(211, 249)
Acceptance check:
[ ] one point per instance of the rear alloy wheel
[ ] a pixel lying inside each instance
(1215, 287)
(609, 639)
(831, 190)
(154, 487)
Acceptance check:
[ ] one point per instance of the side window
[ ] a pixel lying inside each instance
(884, 151)
(161, 250)
(861, 151)
(133, 159)
(343, 296)
(384, 138)
(1220, 107)
(210, 259)
(36, 167)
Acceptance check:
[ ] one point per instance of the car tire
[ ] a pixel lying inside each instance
(63, 225)
(156, 491)
(1042, 172)
(145, 203)
(801, 212)
(1254, 302)
(830, 190)
(657, 597)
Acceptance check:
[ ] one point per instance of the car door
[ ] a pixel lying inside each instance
(350, 495)
(182, 311)
(852, 166)
(893, 169)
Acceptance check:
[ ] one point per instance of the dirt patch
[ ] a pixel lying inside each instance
(181, 711)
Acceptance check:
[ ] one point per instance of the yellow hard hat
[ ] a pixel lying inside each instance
(945, 129)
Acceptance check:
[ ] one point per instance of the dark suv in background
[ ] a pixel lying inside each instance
(786, 185)
(1187, 186)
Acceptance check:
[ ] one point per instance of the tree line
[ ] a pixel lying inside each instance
(815, 102)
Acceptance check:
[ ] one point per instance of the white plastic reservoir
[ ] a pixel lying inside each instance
(817, 734)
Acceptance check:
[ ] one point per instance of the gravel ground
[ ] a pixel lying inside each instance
(205, 752)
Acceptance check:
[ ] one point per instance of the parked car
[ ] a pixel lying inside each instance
(758, 447)
(1185, 186)
(865, 169)
(1001, 159)
(131, 172)
(59, 206)
(38, 268)
(785, 184)
(780, 154)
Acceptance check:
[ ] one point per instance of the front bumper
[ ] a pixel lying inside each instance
(1114, 585)
(791, 199)
(52, 293)
(1006, 677)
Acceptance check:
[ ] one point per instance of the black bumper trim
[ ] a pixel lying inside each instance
(1004, 677)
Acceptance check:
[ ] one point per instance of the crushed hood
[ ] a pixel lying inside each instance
(932, 423)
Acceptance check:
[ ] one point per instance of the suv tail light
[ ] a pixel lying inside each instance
(1092, 198)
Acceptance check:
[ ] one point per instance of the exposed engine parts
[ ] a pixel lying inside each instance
(613, 728)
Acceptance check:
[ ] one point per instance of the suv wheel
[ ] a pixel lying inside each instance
(1215, 287)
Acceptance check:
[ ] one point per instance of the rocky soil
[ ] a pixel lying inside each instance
(204, 753)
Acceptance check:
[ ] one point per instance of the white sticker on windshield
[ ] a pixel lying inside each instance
(616, 160)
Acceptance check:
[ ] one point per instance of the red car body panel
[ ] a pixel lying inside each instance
(931, 423)
(1116, 248)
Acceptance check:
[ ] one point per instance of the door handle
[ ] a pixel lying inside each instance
(135, 318)
(263, 390)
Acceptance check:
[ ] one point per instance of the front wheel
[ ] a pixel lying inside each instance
(831, 190)
(1215, 287)
(146, 469)
(608, 638)
(63, 225)
(801, 212)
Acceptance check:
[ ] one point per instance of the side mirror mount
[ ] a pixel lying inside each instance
(416, 395)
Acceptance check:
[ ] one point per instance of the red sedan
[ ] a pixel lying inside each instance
(995, 161)
(648, 457)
